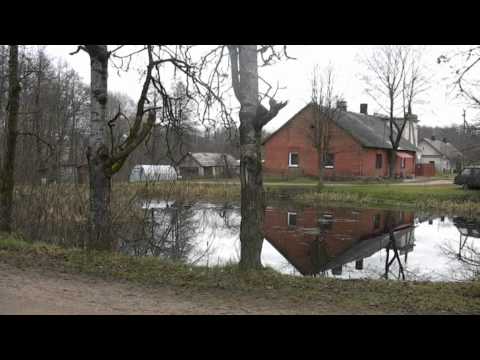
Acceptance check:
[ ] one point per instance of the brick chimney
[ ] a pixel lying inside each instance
(364, 109)
(342, 105)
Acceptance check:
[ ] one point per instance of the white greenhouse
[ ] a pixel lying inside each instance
(153, 173)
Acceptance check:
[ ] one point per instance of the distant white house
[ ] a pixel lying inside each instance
(153, 173)
(441, 153)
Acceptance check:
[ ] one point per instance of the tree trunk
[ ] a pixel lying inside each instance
(321, 150)
(252, 197)
(8, 166)
(392, 155)
(3, 60)
(37, 119)
(97, 152)
(252, 193)
(100, 218)
(320, 166)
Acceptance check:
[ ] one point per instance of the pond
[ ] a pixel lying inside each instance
(338, 242)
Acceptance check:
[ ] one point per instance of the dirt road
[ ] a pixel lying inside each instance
(39, 292)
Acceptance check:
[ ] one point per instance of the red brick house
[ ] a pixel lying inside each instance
(358, 146)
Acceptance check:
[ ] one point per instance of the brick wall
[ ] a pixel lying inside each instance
(425, 170)
(351, 158)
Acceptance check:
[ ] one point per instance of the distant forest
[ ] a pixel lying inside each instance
(54, 114)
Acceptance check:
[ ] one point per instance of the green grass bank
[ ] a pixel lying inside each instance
(348, 296)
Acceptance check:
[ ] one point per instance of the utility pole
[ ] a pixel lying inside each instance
(465, 133)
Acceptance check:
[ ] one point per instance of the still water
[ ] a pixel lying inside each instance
(342, 242)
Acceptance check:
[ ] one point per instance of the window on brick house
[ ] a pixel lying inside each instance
(402, 163)
(379, 161)
(329, 160)
(292, 219)
(376, 221)
(293, 159)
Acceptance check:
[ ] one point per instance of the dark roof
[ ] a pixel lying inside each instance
(213, 159)
(364, 249)
(444, 148)
(370, 131)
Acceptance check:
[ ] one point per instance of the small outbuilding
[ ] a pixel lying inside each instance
(153, 173)
(203, 164)
(442, 154)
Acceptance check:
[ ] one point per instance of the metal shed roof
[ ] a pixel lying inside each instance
(213, 159)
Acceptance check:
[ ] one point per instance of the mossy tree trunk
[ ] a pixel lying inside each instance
(104, 158)
(8, 165)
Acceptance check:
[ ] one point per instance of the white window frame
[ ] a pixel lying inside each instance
(403, 163)
(290, 159)
(288, 218)
(330, 166)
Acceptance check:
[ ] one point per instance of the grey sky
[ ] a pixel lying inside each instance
(440, 108)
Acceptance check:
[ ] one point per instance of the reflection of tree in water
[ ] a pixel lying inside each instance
(392, 244)
(320, 255)
(230, 217)
(171, 230)
(165, 230)
(216, 222)
(467, 251)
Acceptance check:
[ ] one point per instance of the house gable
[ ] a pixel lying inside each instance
(285, 125)
(298, 137)
(427, 149)
(189, 161)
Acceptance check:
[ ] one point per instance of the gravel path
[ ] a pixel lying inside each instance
(31, 292)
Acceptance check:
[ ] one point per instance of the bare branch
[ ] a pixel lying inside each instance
(80, 47)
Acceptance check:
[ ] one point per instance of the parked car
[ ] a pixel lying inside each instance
(469, 178)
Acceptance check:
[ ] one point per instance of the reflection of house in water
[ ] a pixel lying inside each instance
(317, 240)
(467, 227)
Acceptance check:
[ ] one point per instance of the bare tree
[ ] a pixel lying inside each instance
(253, 117)
(323, 99)
(395, 78)
(105, 159)
(464, 63)
(7, 164)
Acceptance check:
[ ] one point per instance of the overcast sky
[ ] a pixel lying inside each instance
(440, 108)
